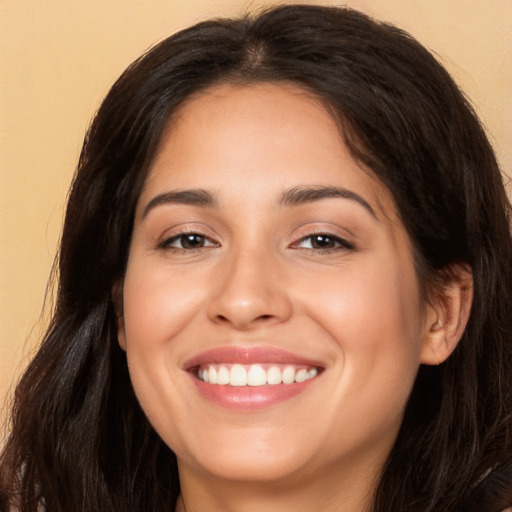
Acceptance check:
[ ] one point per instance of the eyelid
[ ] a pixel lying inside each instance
(343, 243)
(164, 242)
(167, 243)
(330, 229)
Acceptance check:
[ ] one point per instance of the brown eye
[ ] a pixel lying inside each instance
(192, 241)
(188, 241)
(323, 241)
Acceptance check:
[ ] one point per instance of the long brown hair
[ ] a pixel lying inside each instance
(79, 441)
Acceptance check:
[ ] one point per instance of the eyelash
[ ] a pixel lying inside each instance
(340, 244)
(167, 243)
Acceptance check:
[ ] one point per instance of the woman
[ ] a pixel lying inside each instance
(285, 280)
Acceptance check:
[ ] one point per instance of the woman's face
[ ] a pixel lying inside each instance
(262, 252)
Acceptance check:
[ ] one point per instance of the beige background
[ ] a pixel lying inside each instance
(58, 59)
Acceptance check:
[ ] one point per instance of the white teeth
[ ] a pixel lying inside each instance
(301, 375)
(223, 376)
(289, 375)
(238, 375)
(312, 373)
(274, 375)
(212, 375)
(257, 376)
(254, 375)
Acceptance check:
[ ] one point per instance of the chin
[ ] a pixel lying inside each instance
(253, 468)
(249, 456)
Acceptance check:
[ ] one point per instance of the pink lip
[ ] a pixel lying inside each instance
(248, 355)
(248, 398)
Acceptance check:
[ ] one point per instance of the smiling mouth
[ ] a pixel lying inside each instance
(246, 379)
(254, 375)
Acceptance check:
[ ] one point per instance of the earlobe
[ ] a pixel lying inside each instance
(447, 316)
(117, 299)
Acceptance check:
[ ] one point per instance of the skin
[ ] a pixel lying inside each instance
(258, 279)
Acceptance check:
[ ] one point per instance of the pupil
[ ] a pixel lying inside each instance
(191, 241)
(322, 241)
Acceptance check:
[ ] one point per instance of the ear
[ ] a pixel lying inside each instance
(117, 299)
(447, 316)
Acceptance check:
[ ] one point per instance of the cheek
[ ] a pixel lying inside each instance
(376, 304)
(374, 322)
(374, 318)
(158, 305)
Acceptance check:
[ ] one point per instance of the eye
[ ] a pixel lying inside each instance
(323, 241)
(188, 241)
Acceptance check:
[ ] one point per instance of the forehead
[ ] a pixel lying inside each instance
(272, 135)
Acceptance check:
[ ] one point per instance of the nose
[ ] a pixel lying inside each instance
(249, 293)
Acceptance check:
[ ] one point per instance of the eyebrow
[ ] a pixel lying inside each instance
(193, 197)
(296, 196)
(302, 195)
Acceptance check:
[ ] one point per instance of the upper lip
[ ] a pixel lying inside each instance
(248, 355)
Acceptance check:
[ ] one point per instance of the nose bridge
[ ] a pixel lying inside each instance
(250, 289)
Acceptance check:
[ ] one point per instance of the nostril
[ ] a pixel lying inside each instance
(223, 318)
(243, 323)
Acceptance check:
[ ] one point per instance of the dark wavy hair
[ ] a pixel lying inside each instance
(79, 440)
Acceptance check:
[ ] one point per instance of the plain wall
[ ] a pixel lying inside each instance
(59, 57)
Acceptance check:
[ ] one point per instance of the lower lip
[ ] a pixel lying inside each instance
(250, 398)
